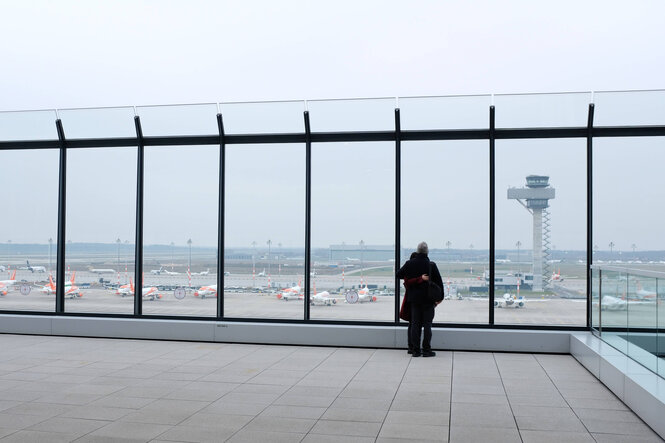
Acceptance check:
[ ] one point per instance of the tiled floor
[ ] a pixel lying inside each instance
(60, 389)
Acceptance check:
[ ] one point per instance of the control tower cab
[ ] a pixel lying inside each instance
(535, 198)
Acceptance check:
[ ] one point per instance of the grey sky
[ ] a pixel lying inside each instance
(111, 53)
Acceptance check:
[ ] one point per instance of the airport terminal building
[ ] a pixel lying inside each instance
(249, 226)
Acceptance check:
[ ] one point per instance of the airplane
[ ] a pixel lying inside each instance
(206, 291)
(364, 296)
(322, 299)
(71, 290)
(148, 293)
(609, 303)
(35, 268)
(157, 271)
(206, 272)
(226, 273)
(262, 273)
(167, 272)
(103, 271)
(6, 284)
(556, 276)
(294, 293)
(642, 294)
(2, 268)
(510, 300)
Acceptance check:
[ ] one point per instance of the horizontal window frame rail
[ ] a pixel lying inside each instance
(213, 319)
(631, 271)
(349, 136)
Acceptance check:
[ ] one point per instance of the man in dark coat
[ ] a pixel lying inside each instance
(422, 308)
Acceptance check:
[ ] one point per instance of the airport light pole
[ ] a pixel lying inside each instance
(279, 268)
(118, 241)
(269, 243)
(611, 245)
(633, 247)
(253, 262)
(519, 245)
(172, 249)
(362, 244)
(50, 262)
(189, 243)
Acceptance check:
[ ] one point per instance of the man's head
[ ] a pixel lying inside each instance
(422, 248)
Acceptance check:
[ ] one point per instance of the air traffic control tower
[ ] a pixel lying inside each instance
(537, 195)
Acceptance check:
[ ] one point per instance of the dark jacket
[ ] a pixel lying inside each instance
(416, 267)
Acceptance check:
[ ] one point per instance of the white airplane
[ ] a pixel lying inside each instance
(6, 284)
(206, 272)
(71, 290)
(322, 299)
(167, 272)
(262, 273)
(35, 268)
(609, 303)
(510, 300)
(642, 294)
(292, 293)
(206, 291)
(556, 276)
(352, 259)
(103, 271)
(156, 271)
(148, 293)
(2, 268)
(364, 296)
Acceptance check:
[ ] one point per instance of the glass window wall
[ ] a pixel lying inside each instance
(540, 232)
(445, 194)
(353, 231)
(180, 230)
(28, 229)
(264, 256)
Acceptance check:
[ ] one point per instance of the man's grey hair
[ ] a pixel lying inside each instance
(422, 248)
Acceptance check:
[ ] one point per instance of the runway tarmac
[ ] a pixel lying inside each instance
(263, 305)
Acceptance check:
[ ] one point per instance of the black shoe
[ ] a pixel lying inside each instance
(429, 354)
(410, 351)
(416, 354)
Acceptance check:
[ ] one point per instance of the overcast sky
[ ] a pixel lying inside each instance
(111, 53)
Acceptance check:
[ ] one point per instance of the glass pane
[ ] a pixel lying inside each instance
(454, 112)
(614, 309)
(180, 229)
(98, 122)
(660, 339)
(353, 231)
(263, 117)
(179, 120)
(627, 175)
(264, 257)
(540, 232)
(28, 125)
(456, 225)
(595, 299)
(642, 333)
(28, 229)
(625, 108)
(352, 115)
(101, 221)
(542, 110)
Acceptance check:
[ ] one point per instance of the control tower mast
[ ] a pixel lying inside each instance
(537, 194)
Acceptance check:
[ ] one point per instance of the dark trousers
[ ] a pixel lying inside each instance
(421, 319)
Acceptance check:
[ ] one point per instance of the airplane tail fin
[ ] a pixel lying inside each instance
(73, 279)
(13, 277)
(50, 280)
(131, 285)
